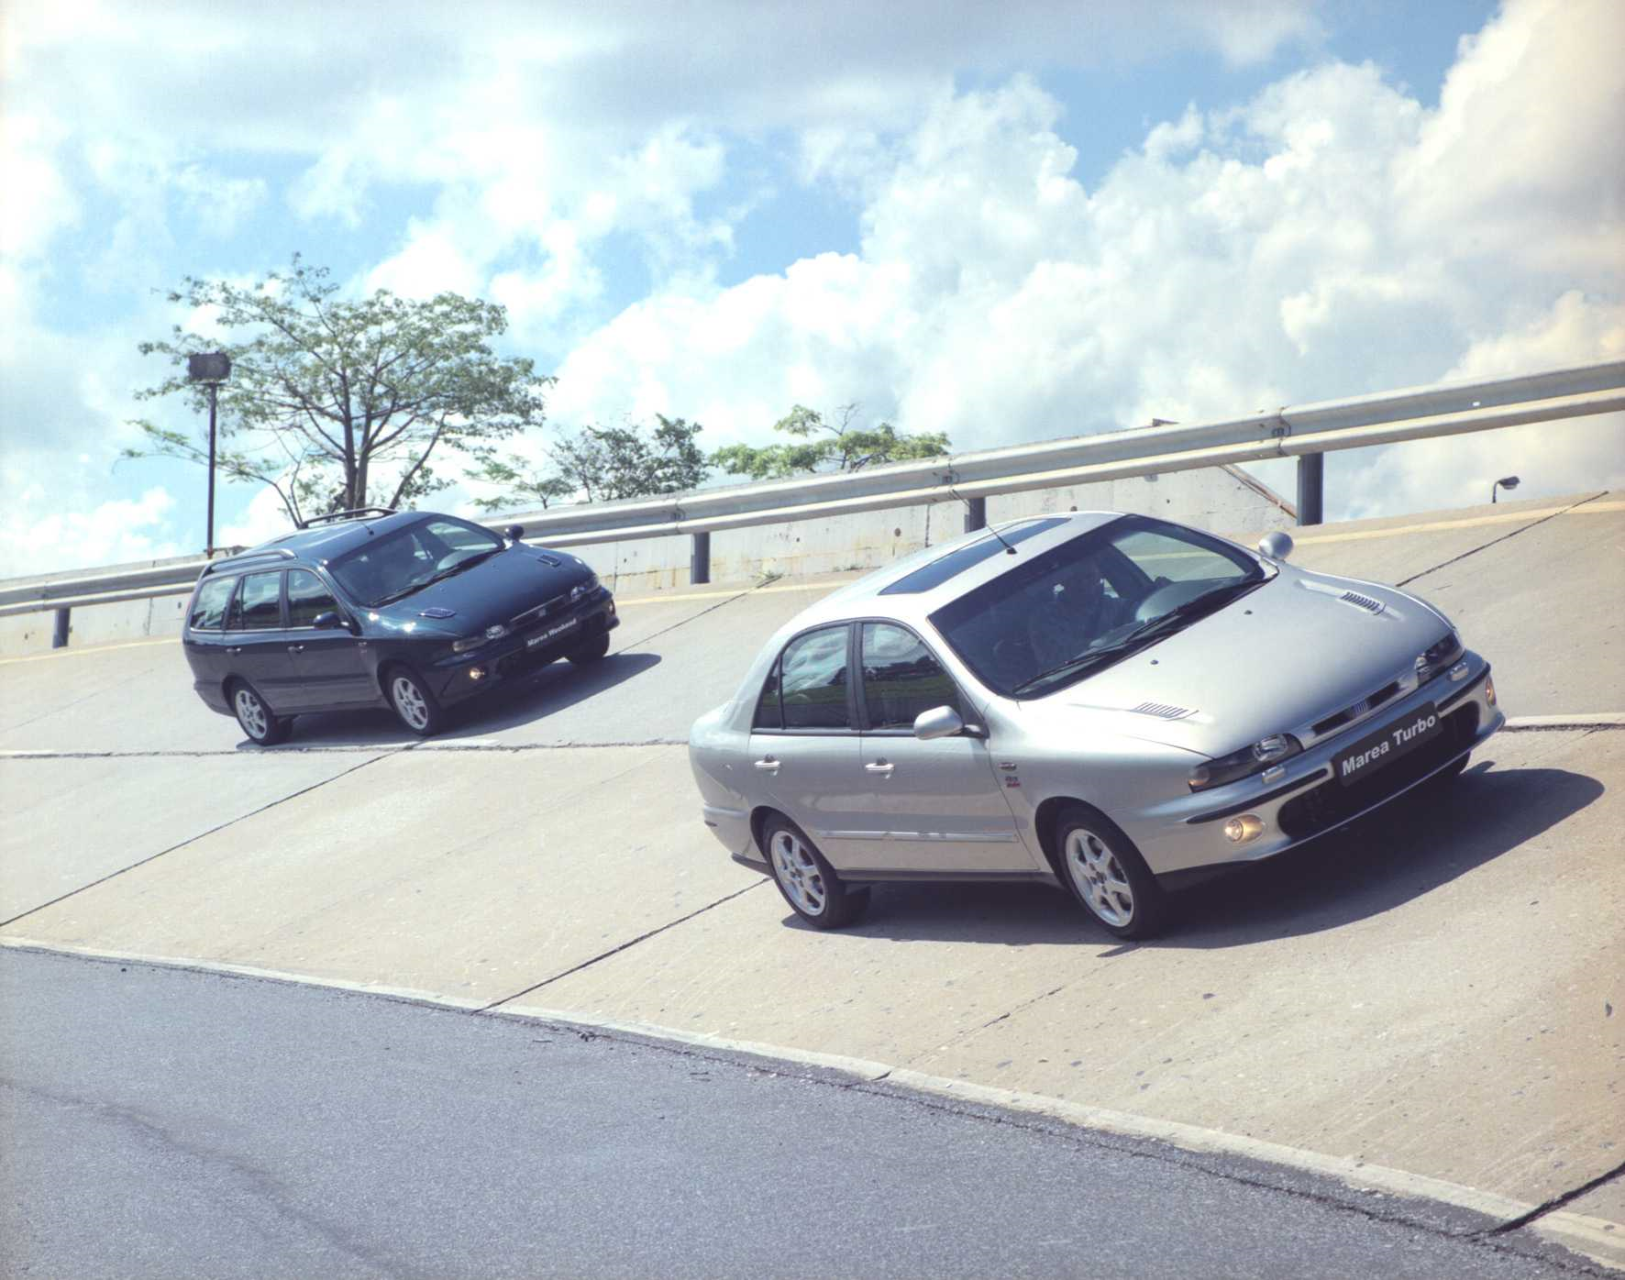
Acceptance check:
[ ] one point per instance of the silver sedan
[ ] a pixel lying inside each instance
(1110, 703)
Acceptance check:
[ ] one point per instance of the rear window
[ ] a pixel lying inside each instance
(209, 605)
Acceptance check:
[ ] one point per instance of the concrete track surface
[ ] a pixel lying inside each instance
(1430, 999)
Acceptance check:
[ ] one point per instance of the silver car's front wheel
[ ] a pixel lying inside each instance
(809, 884)
(1107, 875)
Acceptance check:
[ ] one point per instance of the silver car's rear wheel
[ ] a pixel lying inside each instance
(809, 884)
(1107, 875)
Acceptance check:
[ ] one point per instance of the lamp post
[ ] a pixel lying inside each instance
(211, 370)
(1508, 483)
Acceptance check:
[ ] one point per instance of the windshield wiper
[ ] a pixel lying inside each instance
(433, 578)
(1145, 633)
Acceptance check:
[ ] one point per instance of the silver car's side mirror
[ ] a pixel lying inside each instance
(1275, 546)
(939, 722)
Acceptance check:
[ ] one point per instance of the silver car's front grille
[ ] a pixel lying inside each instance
(530, 617)
(1357, 710)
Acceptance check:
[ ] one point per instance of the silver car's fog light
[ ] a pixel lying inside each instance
(1458, 672)
(1489, 691)
(1248, 826)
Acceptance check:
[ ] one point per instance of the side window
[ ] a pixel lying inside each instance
(814, 680)
(209, 606)
(259, 606)
(901, 678)
(769, 715)
(307, 597)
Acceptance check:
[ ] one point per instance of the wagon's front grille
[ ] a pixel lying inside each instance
(543, 611)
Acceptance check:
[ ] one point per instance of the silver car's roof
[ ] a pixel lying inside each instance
(864, 597)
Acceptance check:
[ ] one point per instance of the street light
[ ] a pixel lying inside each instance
(211, 370)
(1508, 483)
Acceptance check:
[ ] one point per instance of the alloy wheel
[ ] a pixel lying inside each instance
(252, 715)
(409, 700)
(1099, 876)
(799, 876)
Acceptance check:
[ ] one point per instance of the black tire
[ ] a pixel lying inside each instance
(591, 652)
(1107, 875)
(415, 706)
(809, 884)
(254, 716)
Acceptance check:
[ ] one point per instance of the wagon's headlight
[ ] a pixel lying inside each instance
(1249, 760)
(583, 588)
(494, 632)
(1438, 657)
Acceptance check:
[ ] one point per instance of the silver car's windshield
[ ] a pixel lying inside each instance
(1062, 614)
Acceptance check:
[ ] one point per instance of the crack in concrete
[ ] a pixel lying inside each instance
(446, 747)
(1495, 541)
(615, 951)
(202, 835)
(1558, 1201)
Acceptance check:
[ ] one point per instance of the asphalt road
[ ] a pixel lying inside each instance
(171, 1123)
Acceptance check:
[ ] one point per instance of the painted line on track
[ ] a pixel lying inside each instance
(1599, 1239)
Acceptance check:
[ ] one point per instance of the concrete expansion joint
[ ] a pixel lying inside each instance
(1533, 524)
(1557, 1202)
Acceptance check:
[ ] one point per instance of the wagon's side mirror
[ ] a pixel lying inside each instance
(329, 620)
(515, 532)
(1275, 546)
(939, 722)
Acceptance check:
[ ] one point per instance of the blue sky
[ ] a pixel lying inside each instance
(1010, 223)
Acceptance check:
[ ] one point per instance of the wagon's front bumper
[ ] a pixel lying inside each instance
(1196, 834)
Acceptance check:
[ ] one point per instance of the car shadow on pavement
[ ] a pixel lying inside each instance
(544, 692)
(1410, 847)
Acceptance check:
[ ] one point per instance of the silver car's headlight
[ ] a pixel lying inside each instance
(491, 633)
(582, 588)
(1249, 760)
(1438, 657)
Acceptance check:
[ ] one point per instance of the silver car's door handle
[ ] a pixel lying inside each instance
(768, 765)
(880, 766)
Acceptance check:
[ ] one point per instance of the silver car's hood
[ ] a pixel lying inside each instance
(1298, 648)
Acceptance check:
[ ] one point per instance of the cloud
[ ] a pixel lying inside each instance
(1294, 248)
(35, 538)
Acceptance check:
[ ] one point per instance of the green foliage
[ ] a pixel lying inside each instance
(339, 404)
(601, 463)
(816, 445)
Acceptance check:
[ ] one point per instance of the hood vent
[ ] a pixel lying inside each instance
(1363, 602)
(1163, 710)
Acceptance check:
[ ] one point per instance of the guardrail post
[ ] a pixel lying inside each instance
(59, 635)
(699, 562)
(1311, 487)
(975, 514)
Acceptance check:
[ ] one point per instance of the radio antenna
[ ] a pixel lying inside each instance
(1008, 549)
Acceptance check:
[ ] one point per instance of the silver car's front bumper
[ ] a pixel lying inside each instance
(1307, 799)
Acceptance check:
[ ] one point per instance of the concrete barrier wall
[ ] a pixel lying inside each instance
(1222, 499)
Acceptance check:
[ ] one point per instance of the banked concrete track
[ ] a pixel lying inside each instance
(1431, 1003)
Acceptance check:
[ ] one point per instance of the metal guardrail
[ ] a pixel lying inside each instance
(1306, 432)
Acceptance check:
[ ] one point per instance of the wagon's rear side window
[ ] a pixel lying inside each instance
(209, 605)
